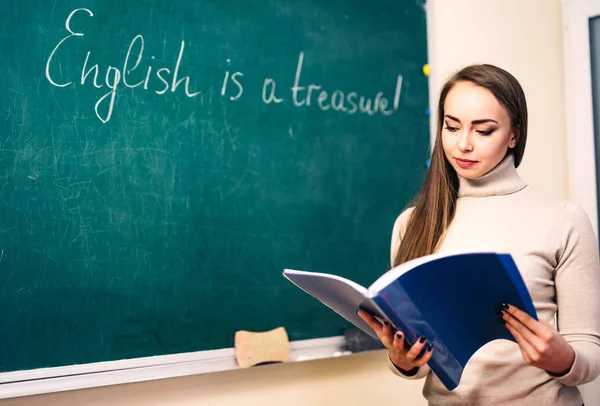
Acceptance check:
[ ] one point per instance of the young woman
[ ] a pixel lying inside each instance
(473, 197)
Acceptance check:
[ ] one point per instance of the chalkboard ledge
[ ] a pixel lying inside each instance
(58, 379)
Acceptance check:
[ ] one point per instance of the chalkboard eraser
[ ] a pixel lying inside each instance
(261, 348)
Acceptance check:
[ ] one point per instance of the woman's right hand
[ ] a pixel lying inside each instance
(400, 354)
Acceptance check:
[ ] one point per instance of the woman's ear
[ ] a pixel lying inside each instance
(514, 138)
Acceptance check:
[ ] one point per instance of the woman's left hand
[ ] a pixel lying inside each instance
(541, 344)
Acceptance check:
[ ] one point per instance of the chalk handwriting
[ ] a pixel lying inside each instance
(236, 82)
(168, 79)
(349, 103)
(115, 76)
(269, 84)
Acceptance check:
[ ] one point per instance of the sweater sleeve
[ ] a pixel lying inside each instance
(577, 279)
(397, 234)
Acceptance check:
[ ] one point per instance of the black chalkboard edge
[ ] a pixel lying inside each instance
(72, 377)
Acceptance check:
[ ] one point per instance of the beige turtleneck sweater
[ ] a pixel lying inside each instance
(555, 249)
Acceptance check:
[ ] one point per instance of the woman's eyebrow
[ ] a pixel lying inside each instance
(484, 120)
(480, 121)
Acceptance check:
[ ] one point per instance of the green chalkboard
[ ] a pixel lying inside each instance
(161, 163)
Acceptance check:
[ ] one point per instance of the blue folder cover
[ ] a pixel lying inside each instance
(453, 300)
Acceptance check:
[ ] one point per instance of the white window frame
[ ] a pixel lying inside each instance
(578, 103)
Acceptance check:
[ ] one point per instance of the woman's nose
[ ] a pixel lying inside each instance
(464, 143)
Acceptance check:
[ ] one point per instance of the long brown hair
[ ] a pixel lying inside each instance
(436, 201)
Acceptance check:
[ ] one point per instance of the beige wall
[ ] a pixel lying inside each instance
(525, 38)
(522, 36)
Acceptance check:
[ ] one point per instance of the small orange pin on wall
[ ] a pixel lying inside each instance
(253, 348)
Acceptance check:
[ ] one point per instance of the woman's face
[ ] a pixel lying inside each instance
(476, 133)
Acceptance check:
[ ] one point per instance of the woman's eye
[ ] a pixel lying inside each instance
(451, 129)
(489, 132)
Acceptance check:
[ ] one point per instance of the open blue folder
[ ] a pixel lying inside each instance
(451, 299)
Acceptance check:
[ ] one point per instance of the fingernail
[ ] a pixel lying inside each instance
(504, 306)
(429, 348)
(422, 339)
(399, 336)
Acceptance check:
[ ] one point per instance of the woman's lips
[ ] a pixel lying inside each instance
(464, 163)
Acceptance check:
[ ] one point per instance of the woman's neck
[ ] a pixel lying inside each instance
(502, 180)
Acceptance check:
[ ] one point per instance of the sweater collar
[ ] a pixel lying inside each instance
(502, 180)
